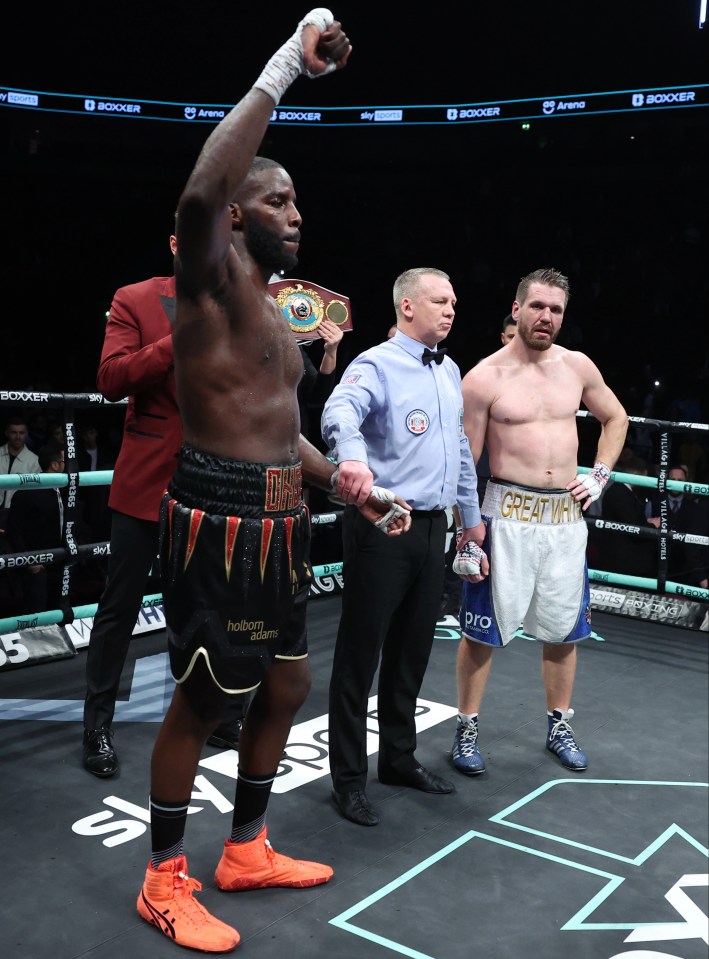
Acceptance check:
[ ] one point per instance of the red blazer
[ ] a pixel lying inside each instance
(137, 362)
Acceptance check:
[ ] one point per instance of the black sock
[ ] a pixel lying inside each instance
(167, 829)
(250, 802)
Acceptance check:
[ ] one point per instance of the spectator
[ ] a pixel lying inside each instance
(38, 427)
(509, 328)
(90, 457)
(11, 592)
(36, 522)
(15, 457)
(57, 433)
(693, 452)
(687, 562)
(623, 503)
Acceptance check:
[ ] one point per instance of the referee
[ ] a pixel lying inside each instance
(395, 419)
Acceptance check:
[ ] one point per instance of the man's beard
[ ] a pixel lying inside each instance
(541, 346)
(266, 248)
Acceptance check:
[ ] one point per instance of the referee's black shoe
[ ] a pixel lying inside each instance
(227, 735)
(99, 755)
(416, 778)
(356, 807)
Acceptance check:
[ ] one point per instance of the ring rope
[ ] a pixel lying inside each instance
(105, 478)
(11, 624)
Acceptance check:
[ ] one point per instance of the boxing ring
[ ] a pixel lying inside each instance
(527, 859)
(646, 597)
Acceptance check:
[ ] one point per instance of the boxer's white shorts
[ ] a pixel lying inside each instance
(536, 544)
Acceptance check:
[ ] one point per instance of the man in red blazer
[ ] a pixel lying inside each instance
(136, 362)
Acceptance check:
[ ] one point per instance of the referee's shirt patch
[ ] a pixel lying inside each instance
(417, 422)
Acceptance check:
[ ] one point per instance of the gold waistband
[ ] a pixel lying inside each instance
(523, 504)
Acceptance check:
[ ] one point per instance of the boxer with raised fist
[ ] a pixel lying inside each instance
(234, 532)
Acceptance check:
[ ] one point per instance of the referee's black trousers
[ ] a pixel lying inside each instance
(390, 604)
(134, 547)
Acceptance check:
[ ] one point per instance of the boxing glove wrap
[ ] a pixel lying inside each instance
(395, 511)
(287, 63)
(595, 481)
(467, 560)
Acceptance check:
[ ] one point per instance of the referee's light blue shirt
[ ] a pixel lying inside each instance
(405, 421)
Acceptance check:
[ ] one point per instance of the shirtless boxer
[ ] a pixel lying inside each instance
(234, 531)
(521, 402)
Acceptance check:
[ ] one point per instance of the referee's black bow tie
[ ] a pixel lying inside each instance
(433, 356)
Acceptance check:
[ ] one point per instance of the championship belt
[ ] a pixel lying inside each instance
(305, 305)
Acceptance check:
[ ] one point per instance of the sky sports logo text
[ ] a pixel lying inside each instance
(20, 99)
(382, 116)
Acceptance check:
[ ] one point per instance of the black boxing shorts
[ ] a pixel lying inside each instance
(235, 568)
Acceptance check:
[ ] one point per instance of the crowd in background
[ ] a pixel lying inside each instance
(34, 519)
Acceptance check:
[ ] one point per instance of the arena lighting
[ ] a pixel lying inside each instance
(702, 13)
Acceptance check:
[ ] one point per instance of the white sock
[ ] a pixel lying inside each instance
(466, 717)
(566, 714)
